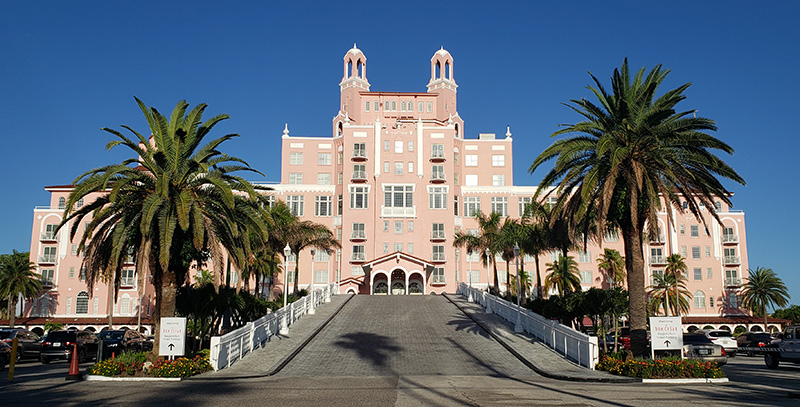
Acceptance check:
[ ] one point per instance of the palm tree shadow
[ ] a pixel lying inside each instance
(369, 346)
(464, 323)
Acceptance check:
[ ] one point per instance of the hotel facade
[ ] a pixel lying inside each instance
(395, 180)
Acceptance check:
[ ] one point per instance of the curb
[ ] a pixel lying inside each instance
(98, 378)
(686, 381)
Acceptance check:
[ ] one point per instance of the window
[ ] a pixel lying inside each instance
(410, 167)
(394, 105)
(411, 247)
(358, 253)
(359, 197)
(437, 198)
(398, 196)
(683, 230)
(708, 251)
(718, 207)
(403, 106)
(471, 180)
(398, 168)
(455, 179)
(455, 158)
(731, 277)
(295, 178)
(728, 235)
(398, 247)
(47, 277)
(341, 179)
(498, 180)
(339, 204)
(698, 274)
(430, 107)
(74, 250)
(410, 145)
(411, 226)
(376, 106)
(695, 252)
(683, 251)
(438, 253)
(358, 231)
(699, 299)
(50, 231)
(498, 160)
(584, 256)
(340, 157)
(386, 166)
(438, 275)
(586, 277)
(709, 273)
(79, 203)
(296, 158)
(49, 254)
(324, 159)
(385, 247)
(82, 304)
(322, 256)
(438, 231)
(524, 201)
(472, 206)
(500, 205)
(733, 300)
(386, 145)
(730, 256)
(320, 276)
(324, 178)
(470, 160)
(323, 205)
(127, 278)
(437, 150)
(366, 106)
(62, 203)
(82, 275)
(612, 236)
(69, 305)
(419, 107)
(398, 227)
(437, 172)
(695, 232)
(295, 203)
(656, 255)
(398, 146)
(386, 226)
(360, 150)
(72, 272)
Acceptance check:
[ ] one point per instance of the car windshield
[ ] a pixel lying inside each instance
(110, 335)
(694, 339)
(61, 336)
(722, 334)
(5, 334)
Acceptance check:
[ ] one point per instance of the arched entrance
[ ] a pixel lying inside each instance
(380, 285)
(416, 283)
(398, 282)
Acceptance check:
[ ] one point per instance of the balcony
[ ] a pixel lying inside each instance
(398, 212)
(733, 282)
(657, 240)
(358, 235)
(437, 156)
(729, 260)
(127, 260)
(359, 155)
(438, 257)
(437, 177)
(658, 260)
(730, 239)
(359, 176)
(49, 237)
(358, 257)
(47, 259)
(438, 235)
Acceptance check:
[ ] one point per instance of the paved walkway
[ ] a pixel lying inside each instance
(402, 336)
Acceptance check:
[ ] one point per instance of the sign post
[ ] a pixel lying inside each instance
(172, 339)
(666, 333)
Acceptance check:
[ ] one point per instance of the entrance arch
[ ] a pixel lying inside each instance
(399, 285)
(380, 283)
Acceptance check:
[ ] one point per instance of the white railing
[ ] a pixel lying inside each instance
(576, 346)
(730, 239)
(438, 257)
(359, 153)
(395, 212)
(437, 234)
(49, 258)
(438, 176)
(49, 236)
(359, 175)
(358, 257)
(358, 234)
(731, 260)
(437, 154)
(235, 345)
(733, 282)
(657, 260)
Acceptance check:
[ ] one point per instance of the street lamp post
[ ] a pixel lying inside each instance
(488, 293)
(518, 324)
(469, 275)
(287, 251)
(328, 279)
(311, 309)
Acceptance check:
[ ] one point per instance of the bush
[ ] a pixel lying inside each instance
(134, 364)
(180, 367)
(669, 368)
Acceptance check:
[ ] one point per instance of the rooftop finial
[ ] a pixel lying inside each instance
(508, 131)
(286, 130)
(354, 45)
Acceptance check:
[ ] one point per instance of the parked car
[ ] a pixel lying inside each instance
(28, 343)
(753, 340)
(787, 350)
(723, 338)
(699, 346)
(59, 344)
(118, 341)
(625, 337)
(5, 355)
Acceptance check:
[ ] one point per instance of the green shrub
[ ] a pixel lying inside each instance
(668, 368)
(131, 357)
(180, 367)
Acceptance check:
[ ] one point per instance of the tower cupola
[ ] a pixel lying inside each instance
(355, 70)
(442, 71)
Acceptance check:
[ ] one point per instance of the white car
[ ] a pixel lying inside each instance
(723, 338)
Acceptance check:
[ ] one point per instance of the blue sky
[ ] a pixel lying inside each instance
(69, 68)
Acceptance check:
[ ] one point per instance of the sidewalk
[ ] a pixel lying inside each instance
(266, 361)
(536, 355)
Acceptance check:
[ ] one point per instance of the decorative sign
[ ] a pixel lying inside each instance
(666, 333)
(172, 338)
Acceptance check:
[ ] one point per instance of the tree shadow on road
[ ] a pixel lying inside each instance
(463, 323)
(369, 346)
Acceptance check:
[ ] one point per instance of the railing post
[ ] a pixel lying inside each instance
(214, 354)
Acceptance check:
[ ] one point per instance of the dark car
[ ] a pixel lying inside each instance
(59, 344)
(625, 337)
(699, 346)
(28, 343)
(753, 340)
(118, 341)
(5, 355)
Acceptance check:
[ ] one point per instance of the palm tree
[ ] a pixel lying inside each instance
(669, 292)
(764, 289)
(180, 191)
(487, 238)
(632, 155)
(309, 234)
(18, 278)
(563, 276)
(612, 264)
(675, 269)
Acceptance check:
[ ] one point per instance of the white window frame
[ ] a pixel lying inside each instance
(437, 197)
(296, 158)
(470, 160)
(295, 178)
(357, 191)
(295, 204)
(324, 158)
(472, 206)
(500, 205)
(323, 206)
(498, 180)
(498, 160)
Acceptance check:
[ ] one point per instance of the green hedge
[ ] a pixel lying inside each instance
(669, 368)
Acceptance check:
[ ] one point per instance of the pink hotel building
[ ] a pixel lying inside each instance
(394, 182)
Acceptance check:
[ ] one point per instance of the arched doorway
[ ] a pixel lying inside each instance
(380, 285)
(398, 282)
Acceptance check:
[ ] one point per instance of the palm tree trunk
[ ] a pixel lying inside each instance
(297, 274)
(666, 298)
(496, 276)
(12, 309)
(538, 277)
(165, 299)
(765, 318)
(634, 263)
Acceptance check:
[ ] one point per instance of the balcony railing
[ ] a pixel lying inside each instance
(360, 175)
(438, 257)
(730, 239)
(437, 155)
(358, 235)
(731, 260)
(401, 212)
(50, 258)
(657, 260)
(733, 282)
(438, 235)
(657, 239)
(360, 154)
(49, 236)
(437, 176)
(358, 257)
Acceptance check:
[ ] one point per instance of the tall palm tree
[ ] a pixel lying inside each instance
(612, 263)
(563, 276)
(633, 154)
(669, 292)
(309, 234)
(764, 289)
(676, 267)
(180, 190)
(487, 238)
(18, 277)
